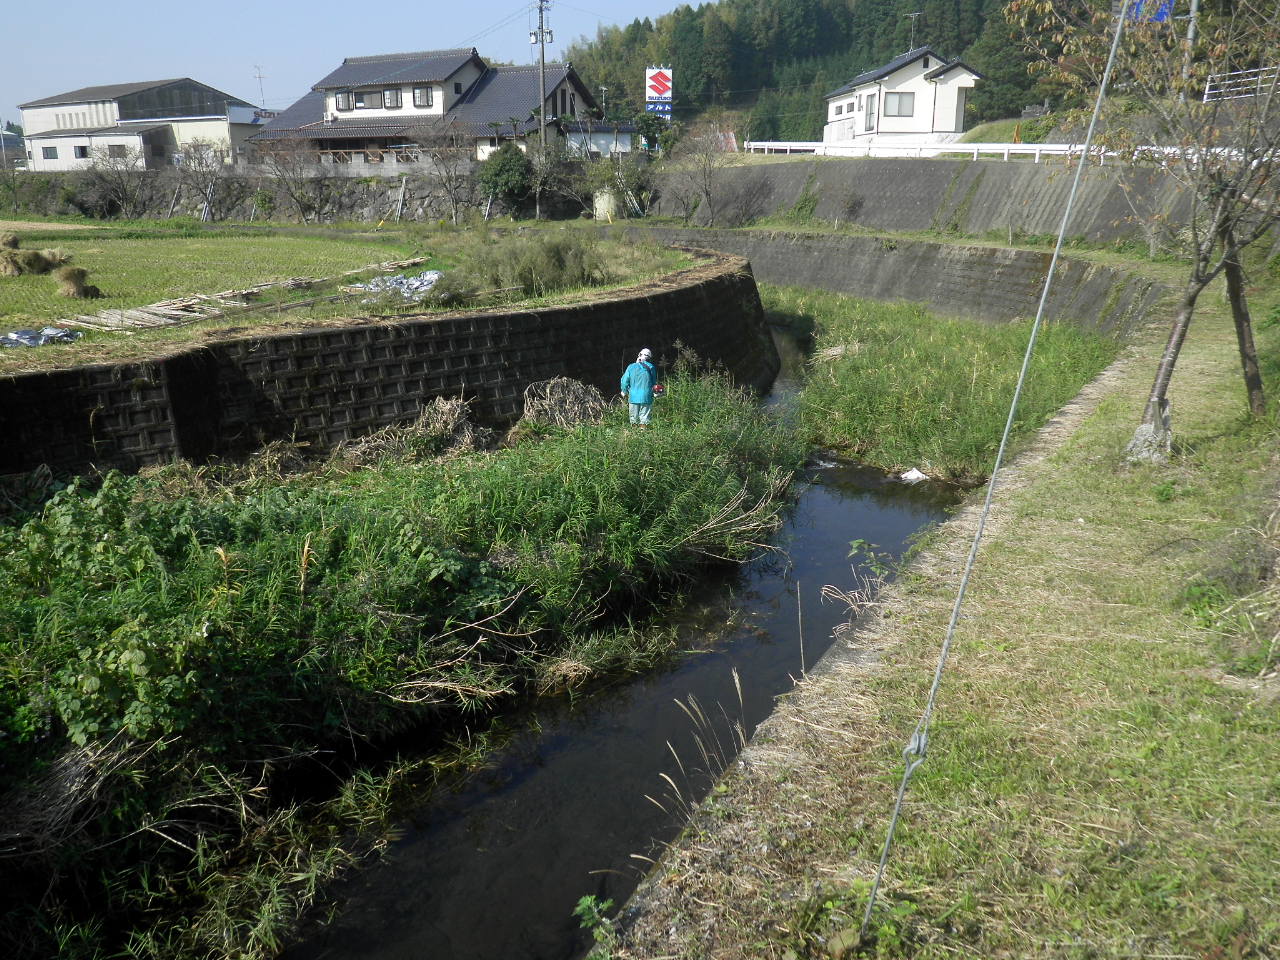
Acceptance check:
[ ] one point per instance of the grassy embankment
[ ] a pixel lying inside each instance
(142, 263)
(1102, 778)
(174, 649)
(895, 386)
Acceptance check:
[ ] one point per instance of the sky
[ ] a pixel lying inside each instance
(83, 43)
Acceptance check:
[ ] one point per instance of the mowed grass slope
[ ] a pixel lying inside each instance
(136, 270)
(1102, 778)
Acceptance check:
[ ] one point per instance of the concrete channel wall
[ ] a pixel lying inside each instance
(965, 197)
(327, 384)
(984, 283)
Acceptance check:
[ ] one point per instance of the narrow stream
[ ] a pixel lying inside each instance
(495, 869)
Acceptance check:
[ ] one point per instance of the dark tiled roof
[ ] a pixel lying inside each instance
(500, 94)
(424, 67)
(310, 109)
(505, 92)
(897, 63)
(110, 91)
(934, 74)
(126, 129)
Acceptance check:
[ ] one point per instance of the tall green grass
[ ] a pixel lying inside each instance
(178, 647)
(897, 387)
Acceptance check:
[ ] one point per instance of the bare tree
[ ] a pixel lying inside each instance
(118, 181)
(450, 151)
(694, 169)
(292, 166)
(1207, 112)
(202, 169)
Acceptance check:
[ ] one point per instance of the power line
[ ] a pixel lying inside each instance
(917, 746)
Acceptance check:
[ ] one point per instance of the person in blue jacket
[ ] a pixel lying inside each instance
(637, 387)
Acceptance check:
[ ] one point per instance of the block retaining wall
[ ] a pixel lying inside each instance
(328, 384)
(984, 283)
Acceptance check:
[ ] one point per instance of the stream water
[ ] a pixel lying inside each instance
(564, 809)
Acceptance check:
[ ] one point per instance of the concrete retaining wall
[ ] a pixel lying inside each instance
(327, 384)
(984, 283)
(967, 197)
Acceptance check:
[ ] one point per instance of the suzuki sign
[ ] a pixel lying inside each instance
(657, 91)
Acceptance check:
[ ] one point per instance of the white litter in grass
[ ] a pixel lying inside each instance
(913, 476)
(410, 288)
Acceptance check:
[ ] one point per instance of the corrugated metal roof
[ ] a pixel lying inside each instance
(110, 91)
(897, 63)
(128, 129)
(424, 67)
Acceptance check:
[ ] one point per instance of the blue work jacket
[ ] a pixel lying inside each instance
(638, 381)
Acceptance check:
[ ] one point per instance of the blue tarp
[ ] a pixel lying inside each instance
(38, 338)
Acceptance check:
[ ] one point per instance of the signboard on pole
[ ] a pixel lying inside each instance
(658, 91)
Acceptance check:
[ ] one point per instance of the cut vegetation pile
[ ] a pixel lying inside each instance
(177, 647)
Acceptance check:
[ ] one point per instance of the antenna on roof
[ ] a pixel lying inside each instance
(262, 98)
(914, 16)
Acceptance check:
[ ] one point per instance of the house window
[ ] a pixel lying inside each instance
(117, 151)
(926, 63)
(573, 106)
(422, 96)
(899, 104)
(81, 153)
(342, 100)
(871, 112)
(391, 98)
(839, 109)
(457, 88)
(564, 101)
(368, 99)
(49, 153)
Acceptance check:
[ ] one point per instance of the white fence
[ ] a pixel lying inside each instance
(1003, 151)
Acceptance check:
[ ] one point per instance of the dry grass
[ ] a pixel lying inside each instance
(1096, 785)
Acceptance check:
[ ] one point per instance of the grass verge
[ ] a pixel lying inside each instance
(180, 651)
(894, 386)
(1101, 778)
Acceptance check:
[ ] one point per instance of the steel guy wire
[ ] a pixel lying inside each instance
(914, 753)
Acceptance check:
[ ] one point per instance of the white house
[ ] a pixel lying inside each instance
(152, 118)
(372, 109)
(918, 96)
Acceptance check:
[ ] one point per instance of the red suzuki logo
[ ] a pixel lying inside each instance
(660, 83)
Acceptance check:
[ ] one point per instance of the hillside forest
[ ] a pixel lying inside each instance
(772, 61)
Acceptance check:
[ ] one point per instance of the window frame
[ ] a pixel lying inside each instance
(118, 151)
(893, 101)
(457, 87)
(870, 123)
(392, 98)
(344, 100)
(48, 153)
(79, 152)
(423, 96)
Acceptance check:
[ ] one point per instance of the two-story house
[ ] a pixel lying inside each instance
(152, 119)
(374, 109)
(918, 95)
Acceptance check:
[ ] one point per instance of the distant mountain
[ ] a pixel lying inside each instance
(778, 58)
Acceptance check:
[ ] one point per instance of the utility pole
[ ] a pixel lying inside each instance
(604, 110)
(262, 97)
(1191, 42)
(542, 36)
(913, 17)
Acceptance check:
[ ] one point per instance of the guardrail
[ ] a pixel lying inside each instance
(1005, 151)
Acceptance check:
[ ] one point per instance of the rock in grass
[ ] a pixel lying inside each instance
(8, 241)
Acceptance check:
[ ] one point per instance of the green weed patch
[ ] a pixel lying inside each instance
(897, 387)
(169, 656)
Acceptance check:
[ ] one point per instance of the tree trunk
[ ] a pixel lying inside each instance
(1154, 436)
(1244, 332)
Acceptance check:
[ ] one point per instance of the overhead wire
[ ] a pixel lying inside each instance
(917, 747)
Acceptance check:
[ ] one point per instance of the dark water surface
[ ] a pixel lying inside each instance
(495, 869)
